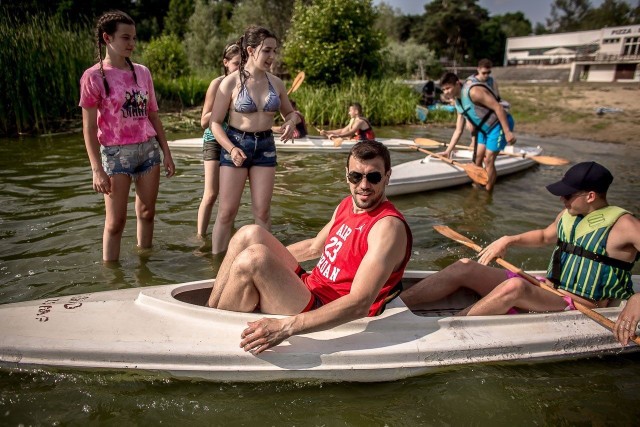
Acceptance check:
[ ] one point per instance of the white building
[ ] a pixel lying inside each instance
(606, 55)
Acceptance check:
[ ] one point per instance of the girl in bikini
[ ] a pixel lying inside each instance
(251, 97)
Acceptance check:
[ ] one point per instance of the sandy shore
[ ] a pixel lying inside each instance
(570, 111)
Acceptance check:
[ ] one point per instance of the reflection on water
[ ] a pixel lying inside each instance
(50, 244)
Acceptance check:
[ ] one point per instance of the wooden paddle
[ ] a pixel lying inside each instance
(543, 160)
(296, 82)
(597, 317)
(427, 142)
(476, 173)
(337, 141)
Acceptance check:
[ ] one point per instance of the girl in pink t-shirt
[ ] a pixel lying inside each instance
(122, 132)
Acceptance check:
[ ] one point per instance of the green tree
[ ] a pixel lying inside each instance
(514, 24)
(333, 40)
(177, 20)
(568, 15)
(209, 31)
(452, 27)
(611, 13)
(388, 21)
(411, 60)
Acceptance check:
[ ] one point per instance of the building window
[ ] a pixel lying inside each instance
(631, 46)
(611, 41)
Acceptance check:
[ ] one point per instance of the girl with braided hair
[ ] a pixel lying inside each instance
(210, 147)
(251, 96)
(122, 132)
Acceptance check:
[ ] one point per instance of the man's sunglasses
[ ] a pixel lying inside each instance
(356, 177)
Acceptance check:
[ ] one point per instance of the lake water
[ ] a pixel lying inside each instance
(50, 245)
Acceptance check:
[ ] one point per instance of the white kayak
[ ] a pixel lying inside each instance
(166, 330)
(309, 144)
(431, 173)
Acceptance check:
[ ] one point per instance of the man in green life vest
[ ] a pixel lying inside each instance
(596, 247)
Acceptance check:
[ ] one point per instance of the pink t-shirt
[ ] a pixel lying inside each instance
(123, 115)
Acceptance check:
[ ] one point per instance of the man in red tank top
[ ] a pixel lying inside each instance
(363, 251)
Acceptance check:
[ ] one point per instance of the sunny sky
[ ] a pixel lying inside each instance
(534, 10)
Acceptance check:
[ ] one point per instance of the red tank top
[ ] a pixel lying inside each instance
(367, 134)
(344, 249)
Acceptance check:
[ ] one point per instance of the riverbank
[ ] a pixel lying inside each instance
(547, 110)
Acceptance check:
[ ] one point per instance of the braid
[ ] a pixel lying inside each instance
(108, 23)
(135, 78)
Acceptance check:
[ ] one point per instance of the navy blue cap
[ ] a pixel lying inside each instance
(585, 176)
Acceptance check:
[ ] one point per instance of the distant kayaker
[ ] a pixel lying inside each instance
(596, 248)
(358, 128)
(363, 252)
(122, 132)
(478, 104)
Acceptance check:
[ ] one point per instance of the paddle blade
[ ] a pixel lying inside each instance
(337, 142)
(550, 160)
(296, 82)
(427, 142)
(475, 172)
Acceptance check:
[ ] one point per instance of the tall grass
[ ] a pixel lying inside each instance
(384, 102)
(42, 60)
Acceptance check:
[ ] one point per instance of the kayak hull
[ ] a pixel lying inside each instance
(430, 173)
(166, 330)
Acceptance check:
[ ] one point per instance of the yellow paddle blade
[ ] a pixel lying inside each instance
(550, 160)
(427, 142)
(337, 142)
(296, 82)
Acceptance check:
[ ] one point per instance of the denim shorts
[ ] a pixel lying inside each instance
(259, 147)
(495, 140)
(210, 147)
(131, 159)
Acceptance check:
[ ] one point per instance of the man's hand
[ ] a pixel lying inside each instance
(263, 334)
(510, 137)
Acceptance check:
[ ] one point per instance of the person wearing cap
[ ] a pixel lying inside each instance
(596, 247)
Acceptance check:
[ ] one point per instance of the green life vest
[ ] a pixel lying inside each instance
(580, 263)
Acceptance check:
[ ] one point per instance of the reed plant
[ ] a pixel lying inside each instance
(42, 60)
(385, 102)
(181, 92)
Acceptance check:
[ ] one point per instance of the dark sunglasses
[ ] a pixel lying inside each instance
(356, 177)
(485, 73)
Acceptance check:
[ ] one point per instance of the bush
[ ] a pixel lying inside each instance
(334, 40)
(166, 57)
(183, 92)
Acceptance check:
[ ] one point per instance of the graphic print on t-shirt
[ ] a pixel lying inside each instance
(135, 104)
(331, 249)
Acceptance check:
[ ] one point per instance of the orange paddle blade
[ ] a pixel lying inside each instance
(296, 82)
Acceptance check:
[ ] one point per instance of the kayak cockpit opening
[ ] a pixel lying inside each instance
(196, 296)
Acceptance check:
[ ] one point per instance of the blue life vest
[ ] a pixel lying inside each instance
(482, 118)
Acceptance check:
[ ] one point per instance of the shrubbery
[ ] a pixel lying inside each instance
(166, 58)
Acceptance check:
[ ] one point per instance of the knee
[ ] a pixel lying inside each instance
(147, 213)
(464, 266)
(209, 197)
(262, 214)
(251, 260)
(248, 235)
(115, 225)
(226, 214)
(512, 289)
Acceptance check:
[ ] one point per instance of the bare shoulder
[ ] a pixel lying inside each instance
(628, 223)
(389, 229)
(276, 81)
